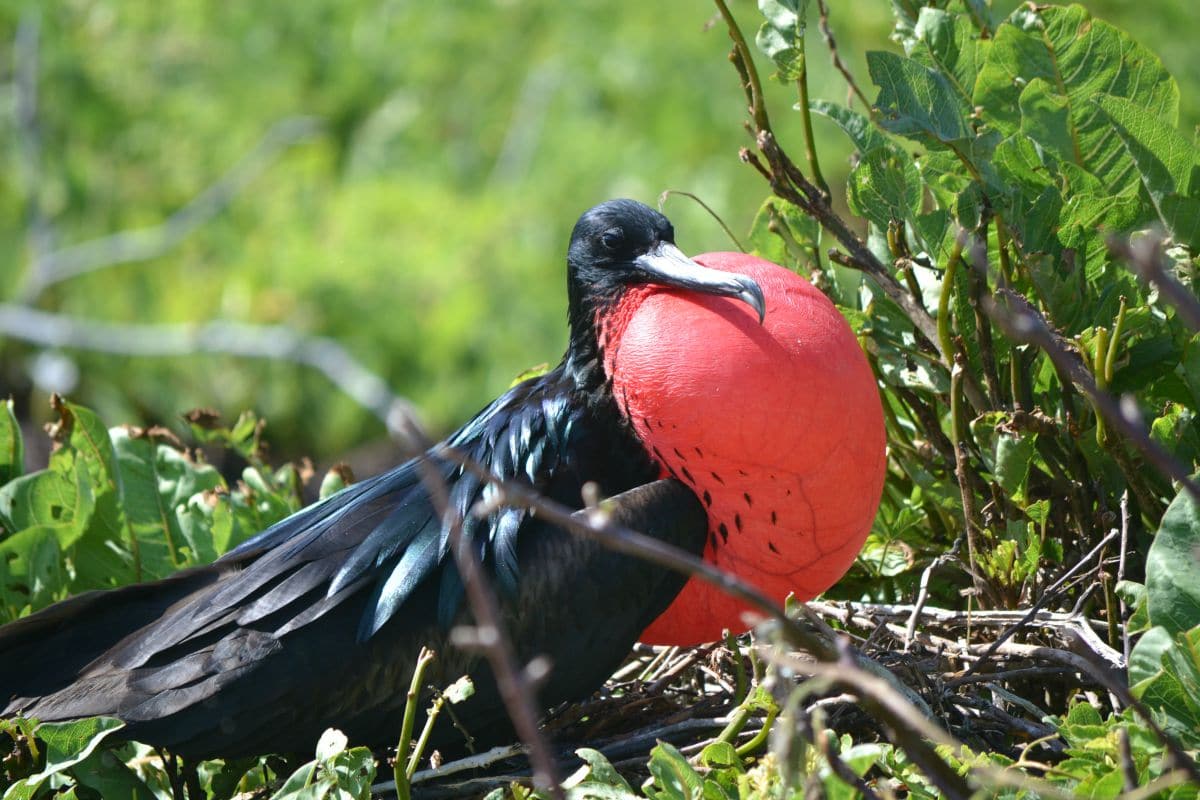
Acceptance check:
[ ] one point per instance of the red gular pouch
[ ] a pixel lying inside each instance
(777, 427)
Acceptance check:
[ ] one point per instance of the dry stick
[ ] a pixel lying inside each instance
(1125, 645)
(26, 58)
(274, 342)
(923, 590)
(1049, 594)
(1147, 259)
(839, 65)
(1025, 325)
(662, 199)
(515, 684)
(140, 245)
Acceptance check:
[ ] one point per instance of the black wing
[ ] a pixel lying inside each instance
(317, 621)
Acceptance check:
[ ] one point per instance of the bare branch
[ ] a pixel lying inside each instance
(26, 60)
(1146, 257)
(141, 245)
(217, 337)
(1023, 324)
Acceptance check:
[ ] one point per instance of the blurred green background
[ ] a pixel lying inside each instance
(423, 224)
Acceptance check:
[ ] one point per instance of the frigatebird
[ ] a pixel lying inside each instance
(317, 621)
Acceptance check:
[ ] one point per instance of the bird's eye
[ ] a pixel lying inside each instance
(612, 238)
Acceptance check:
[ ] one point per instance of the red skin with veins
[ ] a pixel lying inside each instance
(777, 427)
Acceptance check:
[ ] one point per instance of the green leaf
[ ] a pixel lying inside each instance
(916, 101)
(949, 43)
(597, 779)
(781, 37)
(67, 744)
(885, 187)
(1044, 69)
(784, 234)
(12, 447)
(862, 132)
(1145, 660)
(1175, 688)
(1165, 162)
(673, 777)
(1173, 567)
(1014, 454)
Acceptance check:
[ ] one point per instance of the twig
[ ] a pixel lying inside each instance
(752, 85)
(26, 61)
(662, 199)
(839, 65)
(923, 590)
(275, 342)
(1050, 593)
(1126, 647)
(1146, 257)
(140, 245)
(489, 636)
(1022, 323)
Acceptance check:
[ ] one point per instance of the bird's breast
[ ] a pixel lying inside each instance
(777, 427)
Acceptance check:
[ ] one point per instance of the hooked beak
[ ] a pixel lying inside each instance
(667, 265)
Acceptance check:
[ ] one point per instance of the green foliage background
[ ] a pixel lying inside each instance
(424, 227)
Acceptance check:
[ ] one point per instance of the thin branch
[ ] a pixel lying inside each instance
(1024, 325)
(516, 685)
(1146, 257)
(838, 64)
(147, 243)
(274, 342)
(662, 199)
(26, 60)
(752, 85)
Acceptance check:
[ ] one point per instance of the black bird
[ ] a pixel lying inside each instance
(317, 621)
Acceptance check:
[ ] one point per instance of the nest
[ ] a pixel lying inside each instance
(986, 679)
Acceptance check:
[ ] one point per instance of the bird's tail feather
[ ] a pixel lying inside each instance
(47, 651)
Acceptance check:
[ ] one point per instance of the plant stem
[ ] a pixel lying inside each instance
(399, 771)
(810, 142)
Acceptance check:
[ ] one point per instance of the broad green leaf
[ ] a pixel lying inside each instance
(948, 42)
(916, 101)
(673, 776)
(1181, 216)
(158, 483)
(1045, 68)
(885, 187)
(1019, 161)
(79, 429)
(862, 132)
(1014, 453)
(1166, 161)
(1174, 689)
(597, 779)
(1145, 660)
(33, 573)
(12, 447)
(67, 744)
(1173, 567)
(1046, 120)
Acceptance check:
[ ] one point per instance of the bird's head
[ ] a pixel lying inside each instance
(621, 244)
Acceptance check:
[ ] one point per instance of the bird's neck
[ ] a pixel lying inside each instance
(596, 332)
